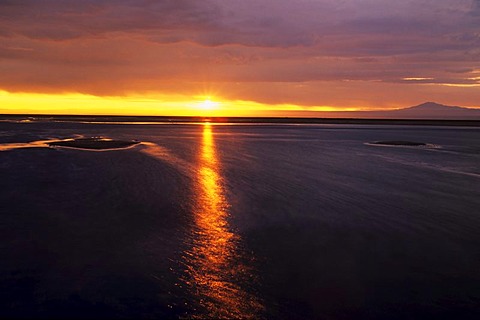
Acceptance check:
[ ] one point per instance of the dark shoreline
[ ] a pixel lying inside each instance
(28, 118)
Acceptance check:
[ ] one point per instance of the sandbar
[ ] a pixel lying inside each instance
(94, 143)
(400, 143)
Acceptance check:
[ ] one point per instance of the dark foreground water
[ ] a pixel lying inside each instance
(240, 221)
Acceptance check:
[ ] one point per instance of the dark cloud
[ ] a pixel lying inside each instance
(476, 7)
(69, 19)
(267, 23)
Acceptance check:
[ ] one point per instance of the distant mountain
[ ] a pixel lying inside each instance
(432, 110)
(427, 110)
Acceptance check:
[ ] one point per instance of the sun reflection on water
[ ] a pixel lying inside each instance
(215, 263)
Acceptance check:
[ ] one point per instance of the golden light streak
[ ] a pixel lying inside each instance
(75, 103)
(416, 79)
(460, 85)
(144, 105)
(214, 260)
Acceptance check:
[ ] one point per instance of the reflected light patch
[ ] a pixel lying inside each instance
(214, 261)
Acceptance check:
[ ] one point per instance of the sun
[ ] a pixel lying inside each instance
(205, 105)
(208, 104)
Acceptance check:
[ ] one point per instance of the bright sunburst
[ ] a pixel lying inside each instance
(208, 104)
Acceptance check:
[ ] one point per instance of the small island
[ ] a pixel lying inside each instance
(94, 143)
(399, 143)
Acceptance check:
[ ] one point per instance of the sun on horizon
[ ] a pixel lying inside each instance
(208, 105)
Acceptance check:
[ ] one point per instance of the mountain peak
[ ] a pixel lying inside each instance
(433, 110)
(432, 105)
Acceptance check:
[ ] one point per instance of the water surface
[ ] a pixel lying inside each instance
(244, 221)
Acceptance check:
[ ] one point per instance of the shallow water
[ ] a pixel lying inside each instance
(241, 221)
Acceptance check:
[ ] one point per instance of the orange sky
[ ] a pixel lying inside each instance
(249, 58)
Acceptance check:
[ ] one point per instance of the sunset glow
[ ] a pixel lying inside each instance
(273, 159)
(36, 103)
(225, 58)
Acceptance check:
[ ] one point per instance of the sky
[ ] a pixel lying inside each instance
(236, 57)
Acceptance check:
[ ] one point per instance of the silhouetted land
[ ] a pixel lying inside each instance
(244, 120)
